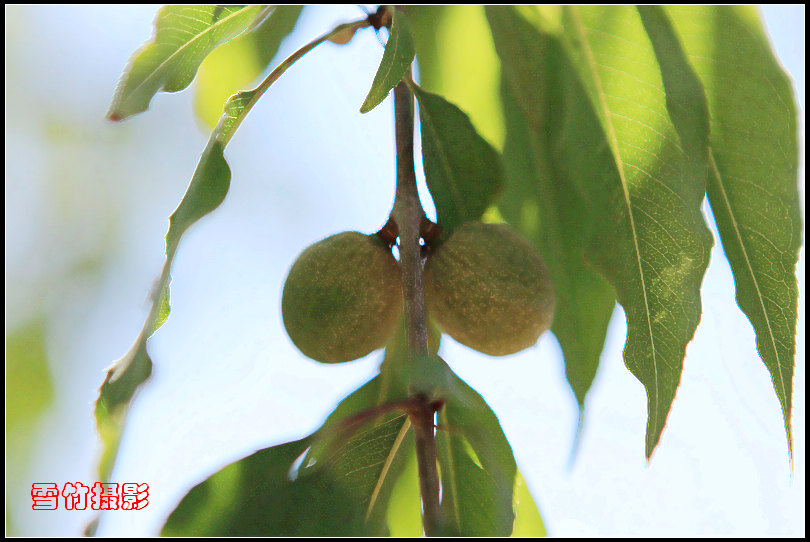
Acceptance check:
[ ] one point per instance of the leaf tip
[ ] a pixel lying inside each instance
(366, 107)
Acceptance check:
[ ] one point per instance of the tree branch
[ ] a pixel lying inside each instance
(409, 216)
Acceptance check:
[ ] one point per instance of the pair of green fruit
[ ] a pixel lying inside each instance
(485, 286)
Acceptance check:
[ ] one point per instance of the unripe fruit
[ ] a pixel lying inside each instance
(489, 289)
(342, 298)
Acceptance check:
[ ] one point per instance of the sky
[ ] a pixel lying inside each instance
(87, 203)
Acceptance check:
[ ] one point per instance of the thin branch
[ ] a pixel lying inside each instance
(409, 217)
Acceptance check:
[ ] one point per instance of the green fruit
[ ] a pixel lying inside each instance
(342, 298)
(489, 289)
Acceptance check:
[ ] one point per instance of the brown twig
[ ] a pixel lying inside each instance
(409, 217)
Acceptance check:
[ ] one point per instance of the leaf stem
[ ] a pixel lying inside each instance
(257, 92)
(409, 217)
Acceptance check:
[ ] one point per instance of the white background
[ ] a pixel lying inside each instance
(227, 380)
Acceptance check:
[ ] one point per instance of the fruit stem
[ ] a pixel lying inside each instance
(409, 217)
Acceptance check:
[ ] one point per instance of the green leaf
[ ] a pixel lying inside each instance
(753, 182)
(29, 395)
(527, 516)
(396, 60)
(652, 243)
(349, 469)
(184, 36)
(457, 60)
(207, 190)
(29, 385)
(463, 171)
(237, 63)
(364, 443)
(405, 505)
(541, 199)
(613, 134)
(476, 463)
(265, 495)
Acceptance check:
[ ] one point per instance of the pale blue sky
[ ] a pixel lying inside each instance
(86, 211)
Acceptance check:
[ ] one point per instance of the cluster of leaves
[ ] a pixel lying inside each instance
(618, 122)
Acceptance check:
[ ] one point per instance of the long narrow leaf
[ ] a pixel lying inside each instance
(653, 244)
(643, 188)
(207, 189)
(753, 184)
(541, 199)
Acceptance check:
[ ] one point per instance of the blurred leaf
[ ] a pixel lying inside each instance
(405, 505)
(266, 38)
(29, 394)
(541, 200)
(239, 62)
(527, 517)
(264, 495)
(184, 36)
(753, 183)
(477, 466)
(463, 171)
(29, 386)
(457, 60)
(396, 60)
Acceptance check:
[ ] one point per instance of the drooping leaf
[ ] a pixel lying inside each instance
(396, 60)
(652, 244)
(463, 171)
(642, 184)
(266, 38)
(184, 36)
(265, 495)
(541, 200)
(237, 63)
(476, 463)
(753, 184)
(207, 189)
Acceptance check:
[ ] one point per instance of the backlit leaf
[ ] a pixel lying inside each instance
(527, 516)
(612, 134)
(405, 505)
(184, 36)
(237, 63)
(541, 200)
(753, 184)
